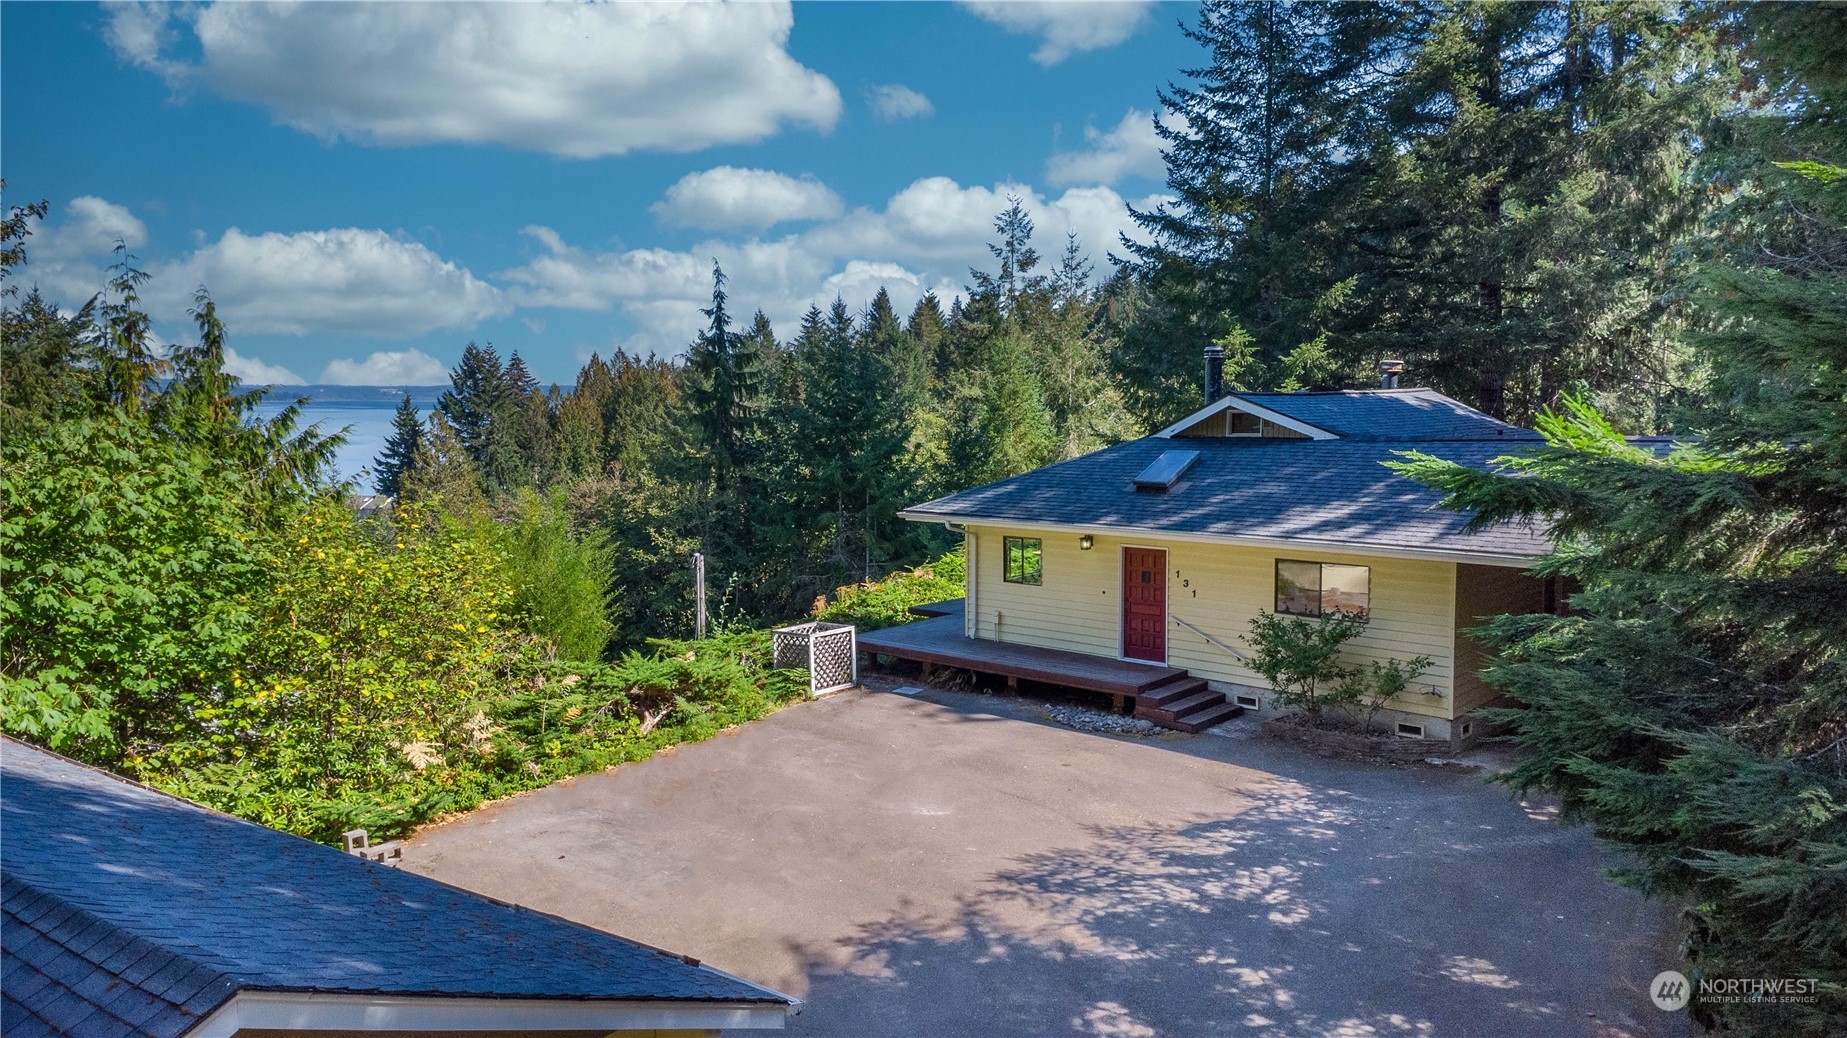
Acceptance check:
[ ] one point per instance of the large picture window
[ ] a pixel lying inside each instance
(1024, 560)
(1323, 589)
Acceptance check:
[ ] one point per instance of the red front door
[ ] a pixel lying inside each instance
(1144, 604)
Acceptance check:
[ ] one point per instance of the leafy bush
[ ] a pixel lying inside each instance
(1301, 659)
(887, 603)
(380, 646)
(127, 563)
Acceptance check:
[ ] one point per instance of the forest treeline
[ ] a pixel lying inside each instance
(1597, 217)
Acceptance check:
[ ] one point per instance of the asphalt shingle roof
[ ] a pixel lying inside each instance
(1400, 415)
(1332, 493)
(124, 911)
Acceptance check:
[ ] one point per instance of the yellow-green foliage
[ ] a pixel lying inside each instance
(393, 684)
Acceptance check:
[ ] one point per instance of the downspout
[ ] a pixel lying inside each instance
(970, 621)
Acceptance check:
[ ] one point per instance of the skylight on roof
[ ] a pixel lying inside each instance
(1161, 475)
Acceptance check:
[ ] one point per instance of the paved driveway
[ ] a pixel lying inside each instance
(951, 864)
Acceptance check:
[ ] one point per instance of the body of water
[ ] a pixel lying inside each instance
(365, 412)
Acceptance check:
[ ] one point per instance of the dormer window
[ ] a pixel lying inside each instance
(1229, 419)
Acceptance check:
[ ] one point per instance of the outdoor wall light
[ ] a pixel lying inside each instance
(1084, 542)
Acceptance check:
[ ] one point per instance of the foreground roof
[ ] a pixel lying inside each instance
(127, 911)
(1335, 494)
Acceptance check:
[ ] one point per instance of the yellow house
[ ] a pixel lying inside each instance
(1138, 568)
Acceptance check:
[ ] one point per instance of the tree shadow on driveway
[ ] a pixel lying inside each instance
(1311, 912)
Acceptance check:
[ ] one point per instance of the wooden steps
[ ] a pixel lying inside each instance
(1184, 703)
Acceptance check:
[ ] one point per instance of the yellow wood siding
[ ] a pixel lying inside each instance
(1483, 592)
(1215, 587)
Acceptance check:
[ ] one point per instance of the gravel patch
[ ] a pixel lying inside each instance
(1085, 720)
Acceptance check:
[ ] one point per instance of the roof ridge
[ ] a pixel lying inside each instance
(1376, 390)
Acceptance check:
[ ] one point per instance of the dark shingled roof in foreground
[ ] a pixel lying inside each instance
(124, 911)
(1336, 494)
(1400, 415)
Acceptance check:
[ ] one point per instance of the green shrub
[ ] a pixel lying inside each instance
(887, 603)
(560, 576)
(1301, 659)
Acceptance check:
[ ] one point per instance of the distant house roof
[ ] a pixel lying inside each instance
(124, 911)
(1326, 487)
(1394, 415)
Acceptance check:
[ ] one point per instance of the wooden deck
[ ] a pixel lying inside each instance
(939, 641)
(1165, 695)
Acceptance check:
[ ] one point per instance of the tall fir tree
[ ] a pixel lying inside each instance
(520, 382)
(1253, 144)
(1013, 287)
(724, 378)
(400, 453)
(477, 394)
(928, 325)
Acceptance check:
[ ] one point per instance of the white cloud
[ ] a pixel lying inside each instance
(1131, 149)
(924, 238)
(258, 373)
(580, 80)
(894, 101)
(1065, 27)
(387, 368)
(88, 228)
(345, 280)
(66, 255)
(729, 198)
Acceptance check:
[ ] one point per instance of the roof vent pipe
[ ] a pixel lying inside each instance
(1389, 372)
(1215, 373)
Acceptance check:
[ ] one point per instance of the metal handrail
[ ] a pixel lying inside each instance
(1241, 657)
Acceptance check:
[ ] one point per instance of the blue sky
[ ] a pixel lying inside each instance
(365, 188)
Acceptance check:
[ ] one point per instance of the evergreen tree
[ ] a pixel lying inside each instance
(641, 400)
(1694, 705)
(1015, 283)
(1515, 135)
(478, 393)
(929, 327)
(1000, 425)
(723, 382)
(520, 382)
(1252, 146)
(400, 453)
(578, 444)
(441, 471)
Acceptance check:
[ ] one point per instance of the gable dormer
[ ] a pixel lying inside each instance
(1232, 415)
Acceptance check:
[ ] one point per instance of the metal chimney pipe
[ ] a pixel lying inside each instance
(1389, 372)
(1215, 373)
